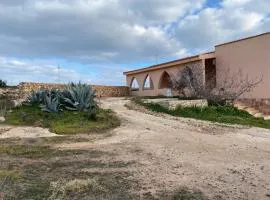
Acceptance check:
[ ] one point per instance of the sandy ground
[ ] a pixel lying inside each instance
(224, 162)
(24, 132)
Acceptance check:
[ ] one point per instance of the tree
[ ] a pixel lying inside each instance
(183, 81)
(228, 89)
(3, 83)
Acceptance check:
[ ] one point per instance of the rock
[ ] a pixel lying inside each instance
(2, 119)
(18, 102)
(172, 103)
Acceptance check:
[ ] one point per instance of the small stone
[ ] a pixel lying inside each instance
(2, 119)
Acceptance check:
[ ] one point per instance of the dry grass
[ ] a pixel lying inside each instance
(31, 169)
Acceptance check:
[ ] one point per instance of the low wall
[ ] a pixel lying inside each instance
(13, 93)
(101, 91)
(172, 103)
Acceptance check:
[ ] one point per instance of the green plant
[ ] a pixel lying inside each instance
(37, 97)
(65, 122)
(3, 83)
(51, 104)
(79, 97)
(221, 114)
(186, 194)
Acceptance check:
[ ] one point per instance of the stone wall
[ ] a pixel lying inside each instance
(101, 91)
(13, 93)
(172, 103)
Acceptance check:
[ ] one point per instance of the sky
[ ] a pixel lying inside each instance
(95, 41)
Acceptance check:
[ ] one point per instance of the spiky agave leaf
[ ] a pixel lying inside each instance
(37, 97)
(79, 97)
(51, 104)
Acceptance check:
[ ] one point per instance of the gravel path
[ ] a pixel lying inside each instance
(224, 162)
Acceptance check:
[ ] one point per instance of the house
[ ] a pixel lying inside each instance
(251, 55)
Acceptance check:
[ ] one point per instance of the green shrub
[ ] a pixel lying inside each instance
(3, 84)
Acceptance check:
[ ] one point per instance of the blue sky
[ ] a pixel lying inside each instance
(94, 41)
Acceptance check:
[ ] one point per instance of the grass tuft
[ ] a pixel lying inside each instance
(186, 194)
(28, 151)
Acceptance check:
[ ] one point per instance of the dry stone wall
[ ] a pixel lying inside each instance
(13, 93)
(101, 91)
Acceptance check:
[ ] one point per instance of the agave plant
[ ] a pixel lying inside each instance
(80, 97)
(37, 97)
(51, 104)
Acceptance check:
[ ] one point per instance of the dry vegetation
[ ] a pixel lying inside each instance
(34, 169)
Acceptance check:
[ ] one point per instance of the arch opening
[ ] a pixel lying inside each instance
(134, 84)
(165, 81)
(148, 83)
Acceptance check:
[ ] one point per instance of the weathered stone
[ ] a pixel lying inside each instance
(172, 103)
(2, 119)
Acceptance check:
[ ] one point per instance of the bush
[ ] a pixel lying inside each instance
(3, 84)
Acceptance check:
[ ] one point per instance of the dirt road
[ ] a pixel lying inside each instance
(224, 162)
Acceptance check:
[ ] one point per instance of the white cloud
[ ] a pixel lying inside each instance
(232, 20)
(15, 71)
(112, 33)
(127, 29)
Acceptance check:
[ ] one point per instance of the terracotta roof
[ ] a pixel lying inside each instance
(246, 38)
(169, 64)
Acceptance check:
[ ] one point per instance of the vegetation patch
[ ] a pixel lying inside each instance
(71, 111)
(43, 173)
(5, 105)
(3, 83)
(186, 194)
(10, 174)
(28, 151)
(65, 122)
(220, 114)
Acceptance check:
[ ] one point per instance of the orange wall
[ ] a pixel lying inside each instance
(252, 56)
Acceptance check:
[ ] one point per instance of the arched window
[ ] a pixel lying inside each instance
(134, 84)
(165, 81)
(148, 83)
